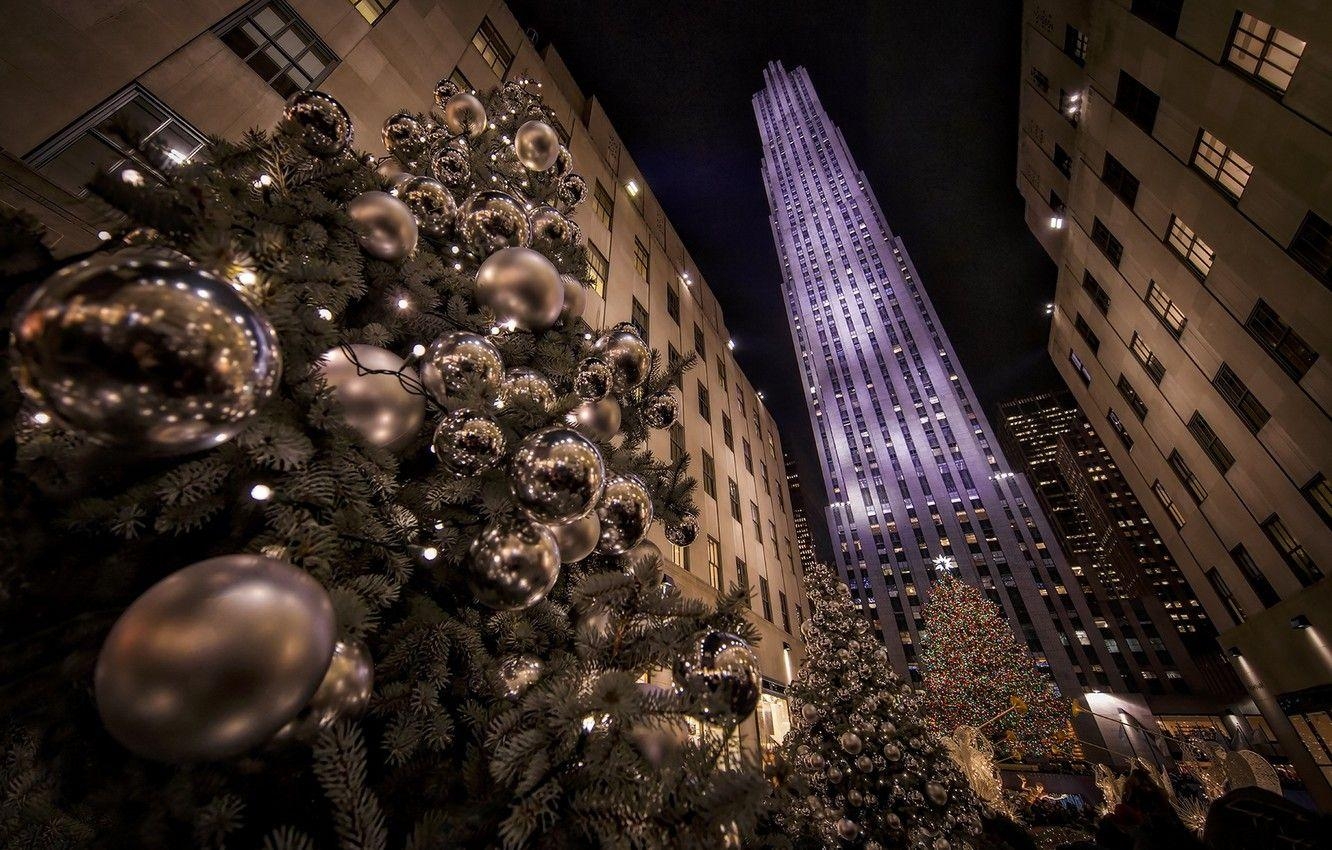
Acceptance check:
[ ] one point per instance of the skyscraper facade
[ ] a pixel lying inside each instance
(799, 515)
(910, 463)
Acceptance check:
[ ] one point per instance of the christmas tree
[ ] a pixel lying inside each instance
(874, 775)
(326, 513)
(978, 675)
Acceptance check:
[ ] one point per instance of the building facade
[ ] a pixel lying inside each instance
(1174, 158)
(804, 535)
(182, 70)
(910, 462)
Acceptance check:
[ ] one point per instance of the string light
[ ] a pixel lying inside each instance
(247, 277)
(104, 235)
(430, 553)
(418, 350)
(403, 303)
(41, 417)
(326, 314)
(132, 177)
(261, 492)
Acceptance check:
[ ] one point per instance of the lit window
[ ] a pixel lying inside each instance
(1154, 368)
(1227, 169)
(709, 475)
(1318, 492)
(1186, 244)
(278, 46)
(1075, 44)
(714, 563)
(600, 266)
(1165, 309)
(1262, 51)
(492, 48)
(640, 258)
(639, 317)
(371, 10)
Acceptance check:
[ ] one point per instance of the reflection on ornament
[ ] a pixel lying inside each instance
(577, 538)
(594, 381)
(627, 355)
(722, 671)
(344, 693)
(464, 115)
(326, 128)
(432, 205)
(537, 145)
(490, 220)
(468, 442)
(513, 564)
(599, 420)
(377, 404)
(517, 673)
(520, 285)
(523, 387)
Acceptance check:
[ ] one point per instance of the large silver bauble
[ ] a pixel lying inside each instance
(936, 792)
(468, 442)
(393, 172)
(513, 564)
(406, 136)
(520, 285)
(343, 693)
(550, 230)
(386, 227)
(537, 145)
(575, 298)
(810, 712)
(572, 191)
(722, 672)
(452, 163)
(594, 380)
(577, 538)
(662, 411)
(599, 419)
(563, 162)
(517, 673)
(215, 658)
(523, 387)
(445, 89)
(683, 531)
(490, 220)
(644, 550)
(464, 115)
(628, 356)
(847, 829)
(326, 128)
(432, 204)
(556, 475)
(144, 350)
(851, 743)
(460, 363)
(625, 511)
(378, 405)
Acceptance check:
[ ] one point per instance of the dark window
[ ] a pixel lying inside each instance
(1286, 347)
(709, 475)
(1137, 102)
(1039, 80)
(704, 407)
(765, 598)
(603, 204)
(1084, 330)
(1093, 289)
(677, 441)
(600, 268)
(1319, 494)
(727, 435)
(1131, 396)
(492, 48)
(640, 258)
(1189, 247)
(1078, 365)
(1263, 52)
(1063, 161)
(786, 617)
(1162, 14)
(748, 455)
(278, 46)
(734, 490)
(1219, 163)
(757, 523)
(1186, 477)
(1109, 245)
(1075, 44)
(1165, 309)
(459, 79)
(673, 301)
(639, 317)
(1312, 247)
(1227, 598)
(1211, 444)
(673, 358)
(1056, 204)
(721, 371)
(1117, 425)
(1291, 551)
(742, 575)
(1152, 366)
(1254, 576)
(698, 342)
(1237, 395)
(1120, 180)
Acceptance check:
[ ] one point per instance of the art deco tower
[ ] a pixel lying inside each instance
(911, 465)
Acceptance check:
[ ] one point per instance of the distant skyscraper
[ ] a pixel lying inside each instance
(908, 458)
(804, 537)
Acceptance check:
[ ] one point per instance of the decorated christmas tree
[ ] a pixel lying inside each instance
(874, 776)
(978, 675)
(326, 512)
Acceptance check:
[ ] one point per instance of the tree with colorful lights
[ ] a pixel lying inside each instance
(977, 674)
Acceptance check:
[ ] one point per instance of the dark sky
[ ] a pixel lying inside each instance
(926, 96)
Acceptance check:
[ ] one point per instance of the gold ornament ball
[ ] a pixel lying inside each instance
(523, 387)
(431, 203)
(536, 145)
(556, 475)
(628, 356)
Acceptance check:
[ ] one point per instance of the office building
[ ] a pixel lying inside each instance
(799, 516)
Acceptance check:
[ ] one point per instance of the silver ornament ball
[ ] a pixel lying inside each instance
(432, 204)
(625, 511)
(556, 475)
(936, 792)
(460, 364)
(445, 89)
(452, 163)
(851, 743)
(722, 671)
(662, 411)
(326, 128)
(385, 227)
(464, 115)
(517, 673)
(344, 693)
(378, 405)
(550, 230)
(577, 538)
(537, 145)
(628, 356)
(847, 829)
(594, 381)
(523, 387)
(468, 442)
(810, 712)
(394, 173)
(575, 298)
(572, 191)
(563, 162)
(520, 285)
(490, 220)
(142, 349)
(683, 531)
(405, 136)
(644, 550)
(513, 564)
(215, 658)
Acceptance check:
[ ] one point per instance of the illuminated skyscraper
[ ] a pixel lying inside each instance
(804, 536)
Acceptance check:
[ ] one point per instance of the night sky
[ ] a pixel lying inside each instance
(926, 97)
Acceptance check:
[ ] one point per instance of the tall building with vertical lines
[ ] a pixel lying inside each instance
(912, 467)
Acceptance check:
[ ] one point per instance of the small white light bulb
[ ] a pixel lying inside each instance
(326, 314)
(403, 303)
(430, 553)
(41, 417)
(261, 492)
(418, 350)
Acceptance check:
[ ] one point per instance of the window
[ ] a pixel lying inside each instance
(1286, 347)
(748, 455)
(638, 316)
(1137, 102)
(1249, 569)
(278, 46)
(680, 556)
(640, 258)
(704, 406)
(1078, 365)
(734, 490)
(767, 487)
(1120, 180)
(1227, 598)
(765, 598)
(1215, 160)
(1165, 309)
(1162, 14)
(1093, 289)
(108, 139)
(786, 617)
(698, 342)
(742, 575)
(1312, 247)
(1084, 330)
(603, 204)
(1075, 44)
(1291, 551)
(714, 563)
(1117, 425)
(1110, 246)
(459, 79)
(1210, 443)
(1237, 395)
(492, 48)
(1262, 51)
(1318, 492)
(600, 267)
(728, 434)
(757, 523)
(677, 441)
(672, 361)
(1039, 80)
(1186, 477)
(1131, 396)
(1063, 161)
(1153, 367)
(371, 9)
(673, 301)
(1176, 515)
(1195, 253)
(709, 475)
